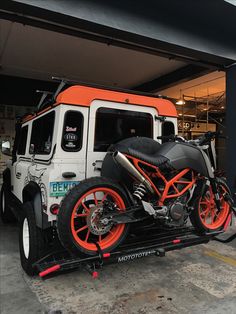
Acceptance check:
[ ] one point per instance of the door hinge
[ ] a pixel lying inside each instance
(160, 118)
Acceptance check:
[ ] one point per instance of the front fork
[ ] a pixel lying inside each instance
(216, 193)
(226, 196)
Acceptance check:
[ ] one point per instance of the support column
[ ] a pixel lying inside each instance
(231, 127)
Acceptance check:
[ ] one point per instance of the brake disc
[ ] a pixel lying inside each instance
(94, 221)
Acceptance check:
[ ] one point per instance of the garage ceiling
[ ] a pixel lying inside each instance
(36, 53)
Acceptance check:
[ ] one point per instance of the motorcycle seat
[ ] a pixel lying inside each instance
(142, 144)
(143, 148)
(154, 159)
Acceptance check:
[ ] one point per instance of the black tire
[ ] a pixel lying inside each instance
(7, 215)
(194, 216)
(36, 241)
(66, 209)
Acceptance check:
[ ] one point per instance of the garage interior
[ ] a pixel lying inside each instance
(203, 94)
(96, 43)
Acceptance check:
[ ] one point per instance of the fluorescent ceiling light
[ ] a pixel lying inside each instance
(180, 102)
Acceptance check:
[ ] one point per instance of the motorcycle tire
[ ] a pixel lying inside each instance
(75, 229)
(204, 216)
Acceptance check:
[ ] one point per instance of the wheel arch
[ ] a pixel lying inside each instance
(32, 193)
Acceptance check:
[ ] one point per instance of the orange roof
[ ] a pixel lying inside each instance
(84, 95)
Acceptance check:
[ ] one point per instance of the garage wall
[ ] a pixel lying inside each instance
(8, 116)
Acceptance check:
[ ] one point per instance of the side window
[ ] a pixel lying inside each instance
(22, 141)
(41, 136)
(72, 135)
(168, 128)
(113, 125)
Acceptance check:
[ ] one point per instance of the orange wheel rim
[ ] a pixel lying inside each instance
(207, 210)
(79, 227)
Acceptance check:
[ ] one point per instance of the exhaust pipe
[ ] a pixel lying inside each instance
(126, 164)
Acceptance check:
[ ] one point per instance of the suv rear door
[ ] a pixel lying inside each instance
(111, 122)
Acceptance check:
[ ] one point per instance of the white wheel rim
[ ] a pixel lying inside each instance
(25, 236)
(3, 202)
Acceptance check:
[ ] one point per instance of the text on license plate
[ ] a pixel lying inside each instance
(61, 188)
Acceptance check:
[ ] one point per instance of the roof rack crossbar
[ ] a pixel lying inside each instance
(43, 97)
(62, 83)
(102, 86)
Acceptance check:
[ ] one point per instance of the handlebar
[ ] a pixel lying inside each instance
(171, 138)
(202, 140)
(209, 136)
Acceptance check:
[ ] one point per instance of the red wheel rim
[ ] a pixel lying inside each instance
(80, 230)
(207, 210)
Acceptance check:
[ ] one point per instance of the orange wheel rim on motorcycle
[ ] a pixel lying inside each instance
(210, 217)
(79, 224)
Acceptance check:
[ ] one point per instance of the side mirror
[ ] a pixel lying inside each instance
(6, 148)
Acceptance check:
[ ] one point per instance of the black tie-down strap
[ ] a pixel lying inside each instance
(100, 252)
(92, 268)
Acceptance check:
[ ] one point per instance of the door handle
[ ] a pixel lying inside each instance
(95, 165)
(68, 174)
(97, 168)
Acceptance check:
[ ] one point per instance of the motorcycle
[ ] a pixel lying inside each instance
(144, 182)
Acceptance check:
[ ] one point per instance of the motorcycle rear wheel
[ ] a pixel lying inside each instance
(74, 221)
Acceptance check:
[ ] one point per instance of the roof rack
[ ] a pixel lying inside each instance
(107, 87)
(44, 101)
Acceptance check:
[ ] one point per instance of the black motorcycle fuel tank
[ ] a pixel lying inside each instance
(182, 155)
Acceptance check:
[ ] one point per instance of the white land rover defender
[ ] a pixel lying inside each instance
(65, 143)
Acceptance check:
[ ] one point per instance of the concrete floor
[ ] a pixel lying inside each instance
(200, 279)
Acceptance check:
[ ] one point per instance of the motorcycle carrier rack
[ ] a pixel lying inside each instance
(155, 242)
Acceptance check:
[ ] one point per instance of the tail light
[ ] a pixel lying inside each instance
(54, 209)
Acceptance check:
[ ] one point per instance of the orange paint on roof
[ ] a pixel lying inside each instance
(84, 95)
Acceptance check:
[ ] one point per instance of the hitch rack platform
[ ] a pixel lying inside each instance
(136, 246)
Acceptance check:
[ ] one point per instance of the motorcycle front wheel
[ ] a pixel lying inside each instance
(205, 217)
(78, 224)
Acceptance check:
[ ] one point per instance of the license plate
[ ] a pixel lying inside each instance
(61, 188)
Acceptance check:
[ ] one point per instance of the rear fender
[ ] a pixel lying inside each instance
(128, 193)
(113, 171)
(31, 193)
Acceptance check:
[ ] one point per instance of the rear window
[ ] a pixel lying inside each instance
(113, 125)
(22, 141)
(72, 131)
(42, 133)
